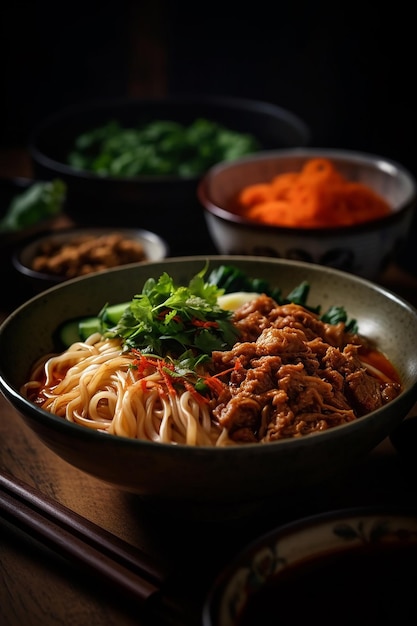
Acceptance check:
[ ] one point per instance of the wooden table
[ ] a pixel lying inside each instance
(39, 587)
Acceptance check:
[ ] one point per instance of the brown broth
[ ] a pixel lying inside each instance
(359, 586)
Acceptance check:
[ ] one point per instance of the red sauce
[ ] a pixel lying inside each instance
(379, 361)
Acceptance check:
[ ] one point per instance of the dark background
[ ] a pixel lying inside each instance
(347, 69)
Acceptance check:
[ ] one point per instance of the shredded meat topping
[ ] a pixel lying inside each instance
(292, 374)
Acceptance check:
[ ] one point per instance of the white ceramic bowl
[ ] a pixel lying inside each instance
(364, 249)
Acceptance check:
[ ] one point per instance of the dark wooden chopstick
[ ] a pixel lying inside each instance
(76, 538)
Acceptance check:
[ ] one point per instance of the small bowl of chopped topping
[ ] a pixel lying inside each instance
(68, 253)
(343, 209)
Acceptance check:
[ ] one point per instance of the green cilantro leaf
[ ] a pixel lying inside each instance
(167, 319)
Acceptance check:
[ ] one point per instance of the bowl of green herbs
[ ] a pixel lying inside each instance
(137, 162)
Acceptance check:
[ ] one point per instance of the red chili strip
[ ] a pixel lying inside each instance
(162, 367)
(196, 395)
(204, 324)
(213, 381)
(164, 312)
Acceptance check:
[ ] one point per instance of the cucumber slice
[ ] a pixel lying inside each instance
(114, 312)
(87, 326)
(82, 327)
(78, 330)
(69, 333)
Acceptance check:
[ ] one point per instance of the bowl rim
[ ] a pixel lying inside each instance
(61, 234)
(380, 162)
(241, 104)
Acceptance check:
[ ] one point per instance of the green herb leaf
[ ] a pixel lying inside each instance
(161, 147)
(40, 201)
(169, 319)
(337, 314)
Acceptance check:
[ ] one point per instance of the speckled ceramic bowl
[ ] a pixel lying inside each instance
(365, 249)
(229, 479)
(350, 566)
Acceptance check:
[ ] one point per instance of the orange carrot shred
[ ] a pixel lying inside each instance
(282, 184)
(254, 194)
(316, 196)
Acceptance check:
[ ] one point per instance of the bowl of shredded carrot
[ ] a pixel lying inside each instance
(340, 208)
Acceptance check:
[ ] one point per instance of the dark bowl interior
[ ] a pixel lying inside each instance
(376, 547)
(167, 205)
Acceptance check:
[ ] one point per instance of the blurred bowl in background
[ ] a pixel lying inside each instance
(165, 204)
(364, 248)
(349, 566)
(51, 258)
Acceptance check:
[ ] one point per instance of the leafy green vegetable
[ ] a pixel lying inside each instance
(169, 319)
(162, 147)
(186, 322)
(230, 278)
(336, 314)
(40, 201)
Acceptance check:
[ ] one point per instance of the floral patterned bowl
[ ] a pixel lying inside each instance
(364, 249)
(342, 567)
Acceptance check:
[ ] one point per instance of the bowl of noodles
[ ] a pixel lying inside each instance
(163, 378)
